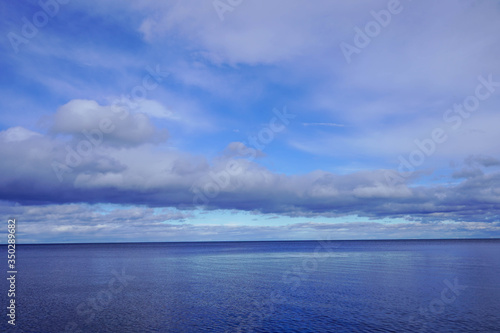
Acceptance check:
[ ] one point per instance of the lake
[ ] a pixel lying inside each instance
(296, 286)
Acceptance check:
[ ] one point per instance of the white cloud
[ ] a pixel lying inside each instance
(155, 109)
(18, 134)
(118, 124)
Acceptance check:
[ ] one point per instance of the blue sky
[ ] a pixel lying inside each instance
(251, 120)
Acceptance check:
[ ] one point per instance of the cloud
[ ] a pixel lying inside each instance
(82, 222)
(482, 160)
(473, 166)
(98, 223)
(16, 134)
(226, 74)
(239, 149)
(467, 173)
(121, 127)
(323, 124)
(403, 58)
(154, 109)
(92, 214)
(156, 178)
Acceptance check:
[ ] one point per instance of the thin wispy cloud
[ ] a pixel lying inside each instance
(324, 124)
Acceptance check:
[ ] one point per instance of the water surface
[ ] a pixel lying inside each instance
(337, 286)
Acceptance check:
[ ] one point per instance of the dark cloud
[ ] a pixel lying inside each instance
(147, 176)
(467, 173)
(84, 223)
(482, 160)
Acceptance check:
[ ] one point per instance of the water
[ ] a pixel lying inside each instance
(338, 286)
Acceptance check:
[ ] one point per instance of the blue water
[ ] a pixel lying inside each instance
(337, 286)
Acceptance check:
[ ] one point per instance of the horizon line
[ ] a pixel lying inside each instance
(262, 241)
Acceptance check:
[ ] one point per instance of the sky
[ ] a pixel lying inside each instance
(230, 120)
